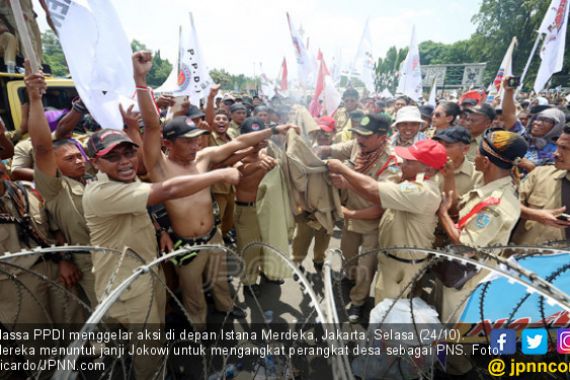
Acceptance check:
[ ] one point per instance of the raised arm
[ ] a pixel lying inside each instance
(221, 153)
(67, 123)
(38, 127)
(509, 108)
(6, 146)
(152, 140)
(183, 186)
(210, 104)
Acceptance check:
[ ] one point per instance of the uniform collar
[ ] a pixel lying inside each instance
(465, 168)
(102, 177)
(559, 174)
(493, 186)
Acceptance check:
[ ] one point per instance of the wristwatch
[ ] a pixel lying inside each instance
(274, 130)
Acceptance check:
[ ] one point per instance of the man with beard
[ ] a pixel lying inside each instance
(370, 154)
(182, 140)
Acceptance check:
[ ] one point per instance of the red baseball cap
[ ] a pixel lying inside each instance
(327, 124)
(428, 152)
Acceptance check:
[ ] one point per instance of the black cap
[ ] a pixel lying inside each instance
(181, 126)
(452, 135)
(237, 107)
(373, 124)
(357, 115)
(104, 140)
(252, 124)
(483, 109)
(194, 112)
(426, 110)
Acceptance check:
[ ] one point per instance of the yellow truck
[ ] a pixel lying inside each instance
(59, 95)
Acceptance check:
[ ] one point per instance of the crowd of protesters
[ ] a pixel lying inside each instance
(398, 174)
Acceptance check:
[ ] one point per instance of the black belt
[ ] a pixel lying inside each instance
(247, 204)
(407, 261)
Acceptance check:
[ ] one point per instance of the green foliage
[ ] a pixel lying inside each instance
(161, 68)
(53, 54)
(497, 21)
(231, 82)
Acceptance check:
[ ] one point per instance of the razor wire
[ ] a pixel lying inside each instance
(512, 271)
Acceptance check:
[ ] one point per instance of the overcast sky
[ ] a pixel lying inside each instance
(238, 36)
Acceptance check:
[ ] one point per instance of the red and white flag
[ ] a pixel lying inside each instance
(325, 92)
(505, 70)
(552, 52)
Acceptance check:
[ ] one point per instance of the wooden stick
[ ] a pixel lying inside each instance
(24, 35)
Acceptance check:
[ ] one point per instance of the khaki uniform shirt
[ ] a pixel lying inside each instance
(233, 130)
(541, 189)
(343, 124)
(23, 155)
(493, 224)
(64, 202)
(474, 148)
(117, 217)
(9, 240)
(466, 178)
(219, 188)
(410, 216)
(352, 199)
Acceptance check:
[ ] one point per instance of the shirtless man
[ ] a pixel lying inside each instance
(192, 217)
(252, 168)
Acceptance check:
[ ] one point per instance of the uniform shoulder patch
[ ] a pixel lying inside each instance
(409, 187)
(483, 219)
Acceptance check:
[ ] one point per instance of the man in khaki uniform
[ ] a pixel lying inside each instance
(59, 175)
(542, 203)
(350, 99)
(238, 113)
(224, 194)
(459, 175)
(409, 211)
(487, 213)
(487, 216)
(478, 119)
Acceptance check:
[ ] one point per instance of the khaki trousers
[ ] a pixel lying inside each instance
(87, 282)
(8, 45)
(30, 302)
(144, 313)
(226, 202)
(208, 270)
(362, 272)
(247, 229)
(304, 234)
(393, 277)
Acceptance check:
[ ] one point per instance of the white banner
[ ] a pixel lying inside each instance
(552, 53)
(410, 83)
(193, 77)
(305, 64)
(98, 54)
(363, 62)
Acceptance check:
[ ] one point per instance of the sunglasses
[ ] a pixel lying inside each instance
(116, 156)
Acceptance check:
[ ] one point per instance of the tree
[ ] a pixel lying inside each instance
(161, 68)
(53, 54)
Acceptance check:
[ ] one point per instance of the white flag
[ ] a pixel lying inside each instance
(331, 96)
(193, 77)
(267, 86)
(552, 52)
(98, 54)
(171, 83)
(363, 62)
(505, 70)
(410, 83)
(304, 61)
(431, 101)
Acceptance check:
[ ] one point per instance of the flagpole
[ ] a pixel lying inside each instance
(527, 66)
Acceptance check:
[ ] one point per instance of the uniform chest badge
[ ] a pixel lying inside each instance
(483, 220)
(409, 187)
